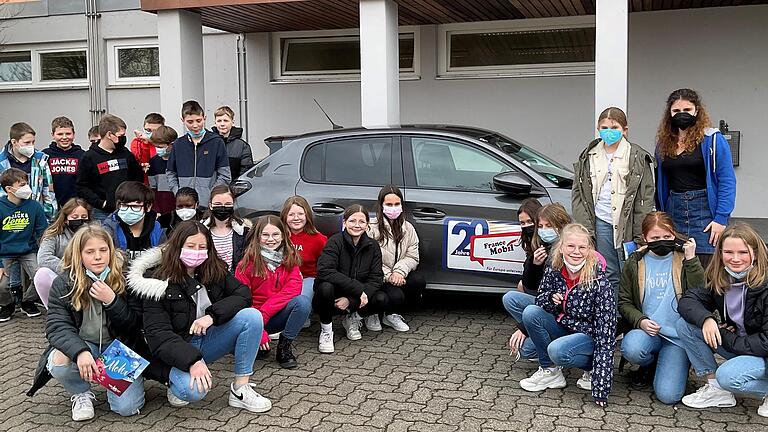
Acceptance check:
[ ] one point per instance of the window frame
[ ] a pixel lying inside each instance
(58, 82)
(37, 83)
(444, 32)
(394, 140)
(277, 56)
(31, 69)
(113, 62)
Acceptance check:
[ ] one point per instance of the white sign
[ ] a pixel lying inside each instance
(481, 245)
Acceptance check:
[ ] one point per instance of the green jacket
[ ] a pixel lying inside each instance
(638, 201)
(685, 274)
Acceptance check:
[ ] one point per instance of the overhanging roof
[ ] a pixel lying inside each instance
(245, 16)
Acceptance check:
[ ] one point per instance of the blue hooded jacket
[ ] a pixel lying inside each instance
(721, 178)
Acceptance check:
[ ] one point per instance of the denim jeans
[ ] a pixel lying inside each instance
(28, 263)
(308, 288)
(672, 365)
(291, 318)
(127, 404)
(555, 344)
(241, 335)
(700, 354)
(613, 257)
(745, 375)
(99, 215)
(690, 212)
(515, 303)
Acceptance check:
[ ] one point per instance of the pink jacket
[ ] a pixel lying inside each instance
(272, 293)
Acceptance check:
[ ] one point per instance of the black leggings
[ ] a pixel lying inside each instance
(410, 292)
(323, 303)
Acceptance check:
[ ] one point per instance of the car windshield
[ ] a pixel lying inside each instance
(555, 172)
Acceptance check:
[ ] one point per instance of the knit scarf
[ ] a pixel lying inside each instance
(272, 258)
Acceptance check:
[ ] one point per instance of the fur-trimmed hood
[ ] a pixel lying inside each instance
(236, 226)
(144, 287)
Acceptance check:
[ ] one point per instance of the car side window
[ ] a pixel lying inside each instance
(441, 163)
(359, 161)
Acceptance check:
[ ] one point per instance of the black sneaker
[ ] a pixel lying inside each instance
(642, 378)
(30, 308)
(285, 353)
(263, 354)
(6, 312)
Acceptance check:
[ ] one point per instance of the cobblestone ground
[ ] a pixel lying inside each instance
(450, 372)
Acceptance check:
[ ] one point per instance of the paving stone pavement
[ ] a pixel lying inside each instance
(451, 372)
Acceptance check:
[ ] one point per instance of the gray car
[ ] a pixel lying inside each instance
(462, 188)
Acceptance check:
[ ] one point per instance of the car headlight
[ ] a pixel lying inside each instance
(240, 187)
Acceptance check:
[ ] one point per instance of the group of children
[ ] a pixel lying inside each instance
(695, 287)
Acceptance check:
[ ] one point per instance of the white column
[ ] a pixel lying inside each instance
(180, 36)
(379, 63)
(611, 35)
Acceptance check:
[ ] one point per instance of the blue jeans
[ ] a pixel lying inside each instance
(515, 303)
(308, 288)
(690, 212)
(291, 318)
(127, 404)
(555, 344)
(700, 355)
(241, 335)
(613, 257)
(672, 366)
(745, 375)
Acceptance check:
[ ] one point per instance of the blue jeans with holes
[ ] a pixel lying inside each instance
(672, 365)
(291, 318)
(241, 335)
(127, 404)
(613, 257)
(700, 354)
(746, 375)
(515, 303)
(555, 344)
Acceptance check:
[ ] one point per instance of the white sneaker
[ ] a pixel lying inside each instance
(762, 410)
(274, 336)
(175, 401)
(709, 396)
(325, 345)
(372, 323)
(396, 322)
(352, 324)
(544, 378)
(585, 382)
(82, 406)
(246, 397)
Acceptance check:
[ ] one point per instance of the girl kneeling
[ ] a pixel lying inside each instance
(196, 312)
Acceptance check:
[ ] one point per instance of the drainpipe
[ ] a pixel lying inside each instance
(95, 61)
(242, 86)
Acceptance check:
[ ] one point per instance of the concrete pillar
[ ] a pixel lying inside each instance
(379, 63)
(611, 36)
(180, 36)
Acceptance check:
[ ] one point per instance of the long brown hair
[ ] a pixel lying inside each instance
(613, 113)
(60, 223)
(252, 253)
(531, 207)
(72, 265)
(393, 230)
(556, 215)
(667, 135)
(298, 200)
(718, 279)
(661, 220)
(588, 273)
(221, 190)
(212, 270)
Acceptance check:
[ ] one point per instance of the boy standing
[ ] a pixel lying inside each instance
(240, 154)
(134, 225)
(105, 166)
(64, 159)
(141, 146)
(23, 223)
(162, 138)
(199, 158)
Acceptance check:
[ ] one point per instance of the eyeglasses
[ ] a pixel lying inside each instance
(276, 236)
(133, 207)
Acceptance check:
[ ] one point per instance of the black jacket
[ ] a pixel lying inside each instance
(532, 273)
(169, 309)
(239, 152)
(698, 304)
(239, 238)
(352, 269)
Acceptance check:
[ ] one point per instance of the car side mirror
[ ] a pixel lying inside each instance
(512, 183)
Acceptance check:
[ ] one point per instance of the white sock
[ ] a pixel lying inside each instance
(326, 328)
(713, 383)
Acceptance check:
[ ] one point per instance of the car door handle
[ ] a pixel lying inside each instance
(428, 213)
(327, 209)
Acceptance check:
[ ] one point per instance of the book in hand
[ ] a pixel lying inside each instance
(119, 366)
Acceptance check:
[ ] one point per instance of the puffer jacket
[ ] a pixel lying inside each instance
(588, 309)
(352, 269)
(239, 152)
(400, 257)
(169, 309)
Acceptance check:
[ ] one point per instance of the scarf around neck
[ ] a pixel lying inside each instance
(272, 258)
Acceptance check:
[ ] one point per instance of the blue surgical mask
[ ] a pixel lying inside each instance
(548, 235)
(196, 135)
(148, 133)
(102, 277)
(162, 151)
(131, 217)
(610, 136)
(740, 275)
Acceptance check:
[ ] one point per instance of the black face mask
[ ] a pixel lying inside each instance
(121, 140)
(95, 142)
(75, 224)
(528, 231)
(222, 213)
(683, 120)
(662, 247)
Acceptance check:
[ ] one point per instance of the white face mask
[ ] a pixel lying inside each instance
(24, 192)
(574, 268)
(186, 213)
(27, 151)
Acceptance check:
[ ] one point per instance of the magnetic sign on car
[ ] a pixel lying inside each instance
(482, 245)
